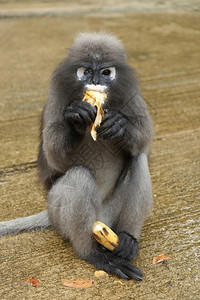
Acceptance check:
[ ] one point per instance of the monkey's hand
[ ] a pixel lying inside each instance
(114, 126)
(80, 115)
(128, 246)
(105, 260)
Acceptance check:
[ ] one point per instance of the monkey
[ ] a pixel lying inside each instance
(86, 180)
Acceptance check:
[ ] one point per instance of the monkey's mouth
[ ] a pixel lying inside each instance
(97, 88)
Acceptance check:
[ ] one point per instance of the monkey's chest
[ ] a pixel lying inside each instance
(103, 158)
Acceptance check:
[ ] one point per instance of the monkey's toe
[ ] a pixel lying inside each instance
(105, 260)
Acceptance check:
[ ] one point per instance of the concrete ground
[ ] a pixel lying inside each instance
(162, 39)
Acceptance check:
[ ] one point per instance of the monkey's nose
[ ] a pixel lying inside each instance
(95, 79)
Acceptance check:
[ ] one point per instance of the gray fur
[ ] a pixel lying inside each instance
(37, 221)
(73, 204)
(107, 180)
(96, 46)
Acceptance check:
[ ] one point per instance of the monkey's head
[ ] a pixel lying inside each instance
(98, 60)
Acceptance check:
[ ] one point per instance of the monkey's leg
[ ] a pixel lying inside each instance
(73, 202)
(73, 205)
(136, 191)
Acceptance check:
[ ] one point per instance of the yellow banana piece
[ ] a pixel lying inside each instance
(95, 98)
(105, 236)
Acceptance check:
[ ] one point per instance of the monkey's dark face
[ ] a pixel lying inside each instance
(94, 75)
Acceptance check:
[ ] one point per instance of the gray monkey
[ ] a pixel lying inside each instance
(106, 180)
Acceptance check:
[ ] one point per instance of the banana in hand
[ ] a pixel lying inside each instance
(96, 99)
(105, 236)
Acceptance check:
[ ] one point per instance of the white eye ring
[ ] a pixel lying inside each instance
(112, 74)
(80, 72)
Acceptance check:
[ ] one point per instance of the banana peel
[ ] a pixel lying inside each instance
(95, 98)
(105, 236)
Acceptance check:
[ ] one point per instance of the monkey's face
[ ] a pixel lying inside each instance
(96, 77)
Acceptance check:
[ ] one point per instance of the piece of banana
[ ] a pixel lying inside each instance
(105, 236)
(97, 99)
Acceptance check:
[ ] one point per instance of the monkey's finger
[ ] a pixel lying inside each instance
(118, 134)
(87, 117)
(132, 271)
(121, 270)
(76, 112)
(106, 125)
(105, 260)
(115, 270)
(84, 108)
(111, 133)
(117, 121)
(112, 117)
(84, 105)
(71, 116)
(124, 269)
(104, 132)
(75, 120)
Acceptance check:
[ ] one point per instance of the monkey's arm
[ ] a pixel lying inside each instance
(64, 131)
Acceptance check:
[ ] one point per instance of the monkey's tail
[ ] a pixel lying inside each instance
(30, 223)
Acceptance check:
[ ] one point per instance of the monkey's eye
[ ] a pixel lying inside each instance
(109, 73)
(106, 72)
(82, 71)
(88, 71)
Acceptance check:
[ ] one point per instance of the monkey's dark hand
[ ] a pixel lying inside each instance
(128, 246)
(114, 126)
(80, 115)
(112, 264)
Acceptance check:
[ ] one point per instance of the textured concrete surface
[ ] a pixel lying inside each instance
(163, 46)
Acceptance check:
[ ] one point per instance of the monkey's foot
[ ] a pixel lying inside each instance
(104, 259)
(128, 246)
